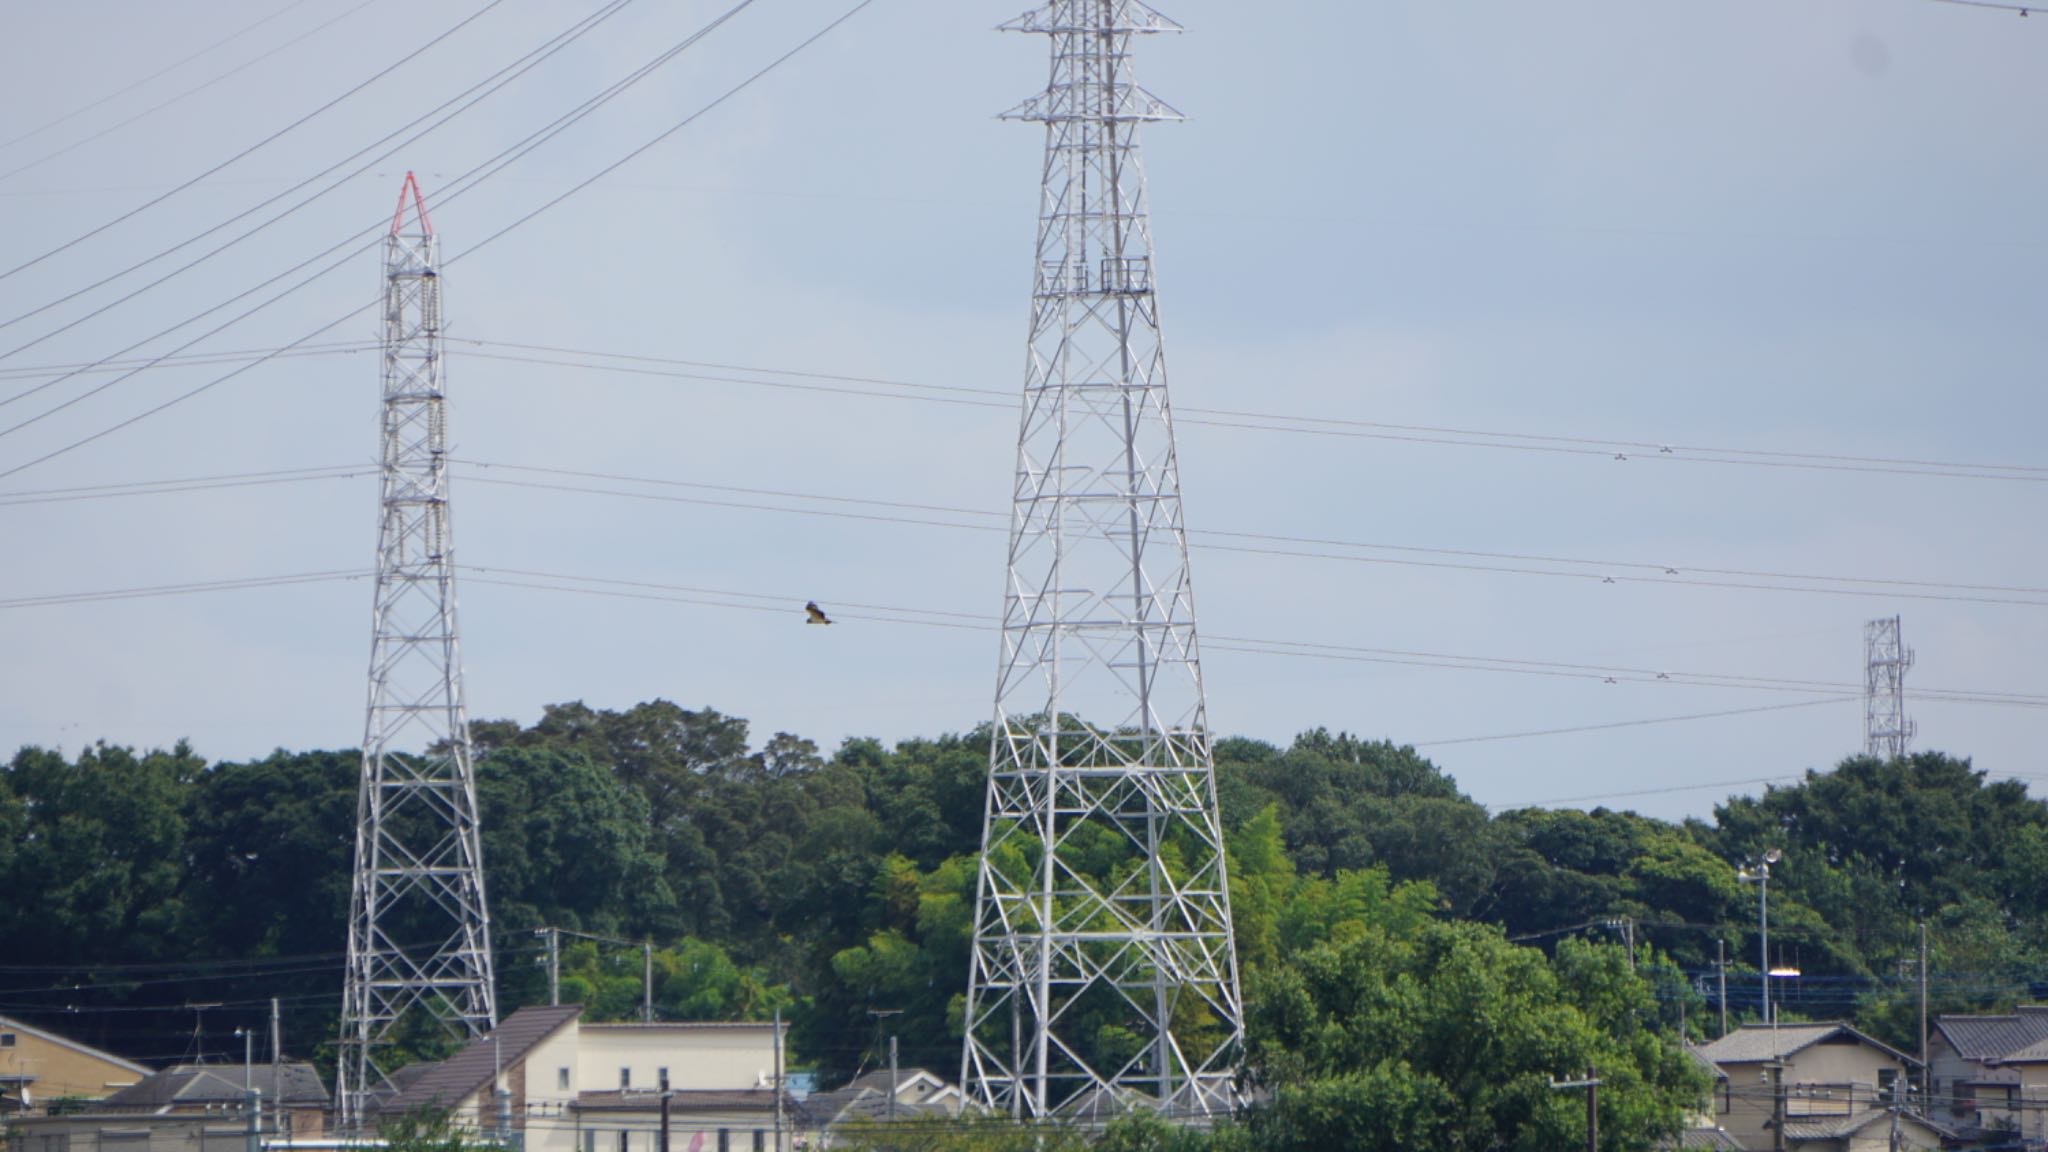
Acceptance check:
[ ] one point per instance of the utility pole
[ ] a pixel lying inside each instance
(665, 1097)
(1721, 970)
(1592, 1086)
(1100, 716)
(1886, 730)
(419, 848)
(554, 966)
(277, 1069)
(1777, 1067)
(893, 1084)
(778, 1080)
(1924, 1082)
(647, 981)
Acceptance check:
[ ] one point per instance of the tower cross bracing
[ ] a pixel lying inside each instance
(419, 929)
(1104, 972)
(1886, 729)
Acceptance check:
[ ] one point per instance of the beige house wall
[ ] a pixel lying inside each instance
(701, 1056)
(1812, 1080)
(60, 1068)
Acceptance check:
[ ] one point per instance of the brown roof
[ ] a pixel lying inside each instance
(457, 1078)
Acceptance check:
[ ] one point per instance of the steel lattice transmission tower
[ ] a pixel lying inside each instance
(1886, 731)
(419, 932)
(1104, 973)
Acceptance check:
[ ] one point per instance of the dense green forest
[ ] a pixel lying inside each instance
(1414, 965)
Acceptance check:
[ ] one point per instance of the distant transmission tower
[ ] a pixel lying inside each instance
(1104, 973)
(1886, 731)
(419, 934)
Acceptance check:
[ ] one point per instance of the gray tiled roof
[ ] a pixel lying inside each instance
(197, 1085)
(452, 1080)
(1838, 1127)
(2019, 1037)
(1754, 1043)
(1704, 1064)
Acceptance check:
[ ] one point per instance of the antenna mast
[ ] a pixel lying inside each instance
(1104, 972)
(419, 866)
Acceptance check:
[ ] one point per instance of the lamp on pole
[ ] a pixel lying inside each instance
(1760, 874)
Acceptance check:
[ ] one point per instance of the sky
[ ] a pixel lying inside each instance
(1440, 285)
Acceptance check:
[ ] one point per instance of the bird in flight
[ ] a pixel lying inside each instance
(814, 614)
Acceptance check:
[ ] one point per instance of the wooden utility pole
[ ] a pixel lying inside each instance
(1592, 1086)
(647, 981)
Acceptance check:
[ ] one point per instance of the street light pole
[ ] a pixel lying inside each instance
(1761, 876)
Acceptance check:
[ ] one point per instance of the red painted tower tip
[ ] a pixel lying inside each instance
(411, 187)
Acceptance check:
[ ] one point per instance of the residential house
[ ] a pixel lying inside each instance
(1989, 1074)
(569, 1086)
(188, 1108)
(918, 1095)
(38, 1066)
(1893, 1129)
(1822, 1075)
(1703, 1123)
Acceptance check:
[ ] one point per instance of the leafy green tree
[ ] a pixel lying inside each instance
(1434, 1034)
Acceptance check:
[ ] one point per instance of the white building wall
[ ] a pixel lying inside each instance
(697, 1056)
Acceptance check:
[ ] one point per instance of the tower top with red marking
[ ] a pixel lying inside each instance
(411, 188)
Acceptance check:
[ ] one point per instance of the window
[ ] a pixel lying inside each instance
(562, 1079)
(725, 1140)
(625, 1077)
(661, 1078)
(6, 1039)
(760, 1140)
(590, 1141)
(623, 1146)
(1887, 1082)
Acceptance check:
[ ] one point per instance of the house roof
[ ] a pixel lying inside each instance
(1755, 1043)
(197, 1085)
(1700, 1059)
(680, 1100)
(10, 1024)
(905, 1077)
(2019, 1038)
(1840, 1127)
(457, 1078)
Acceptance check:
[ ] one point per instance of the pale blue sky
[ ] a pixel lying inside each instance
(1808, 227)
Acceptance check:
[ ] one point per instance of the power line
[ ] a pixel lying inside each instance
(158, 74)
(1634, 724)
(195, 359)
(560, 125)
(183, 96)
(460, 103)
(1601, 571)
(230, 161)
(1302, 424)
(194, 484)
